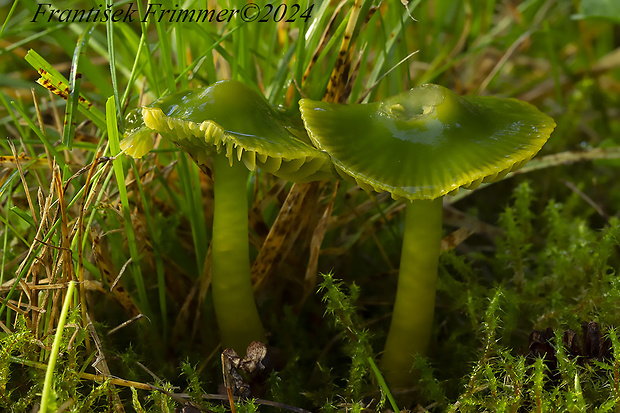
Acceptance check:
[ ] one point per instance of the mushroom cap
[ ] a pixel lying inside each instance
(231, 118)
(428, 141)
(137, 140)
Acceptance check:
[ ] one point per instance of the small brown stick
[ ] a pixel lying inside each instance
(126, 323)
(226, 370)
(88, 284)
(585, 197)
(454, 239)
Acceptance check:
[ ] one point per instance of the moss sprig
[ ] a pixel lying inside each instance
(340, 307)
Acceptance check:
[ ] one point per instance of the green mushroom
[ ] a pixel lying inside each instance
(231, 129)
(421, 145)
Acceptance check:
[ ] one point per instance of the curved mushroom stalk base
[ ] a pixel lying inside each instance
(233, 296)
(412, 320)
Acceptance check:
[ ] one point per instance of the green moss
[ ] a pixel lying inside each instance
(341, 308)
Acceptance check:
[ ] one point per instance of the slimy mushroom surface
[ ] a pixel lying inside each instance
(428, 141)
(231, 118)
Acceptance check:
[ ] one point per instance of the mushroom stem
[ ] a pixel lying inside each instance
(233, 296)
(412, 319)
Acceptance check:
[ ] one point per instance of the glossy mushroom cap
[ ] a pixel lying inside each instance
(231, 118)
(428, 141)
(137, 140)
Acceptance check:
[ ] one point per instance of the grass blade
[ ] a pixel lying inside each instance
(46, 396)
(122, 190)
(54, 81)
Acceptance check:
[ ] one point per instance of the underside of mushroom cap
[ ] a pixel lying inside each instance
(427, 142)
(229, 117)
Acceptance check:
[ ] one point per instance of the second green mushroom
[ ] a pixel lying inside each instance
(421, 145)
